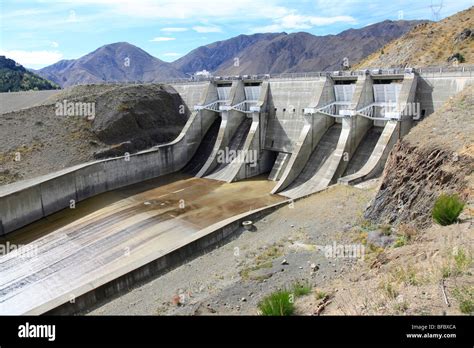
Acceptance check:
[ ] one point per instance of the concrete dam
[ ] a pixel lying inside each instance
(250, 145)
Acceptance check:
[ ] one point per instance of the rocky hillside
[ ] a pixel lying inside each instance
(127, 119)
(119, 62)
(435, 43)
(297, 52)
(437, 156)
(15, 78)
(134, 118)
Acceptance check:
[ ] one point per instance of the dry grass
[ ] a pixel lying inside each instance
(425, 45)
(408, 279)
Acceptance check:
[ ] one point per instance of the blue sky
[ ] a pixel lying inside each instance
(37, 33)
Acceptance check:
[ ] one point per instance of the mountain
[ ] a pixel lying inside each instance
(243, 54)
(14, 78)
(119, 62)
(212, 56)
(297, 52)
(435, 43)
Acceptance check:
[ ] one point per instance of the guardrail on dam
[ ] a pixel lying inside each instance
(302, 132)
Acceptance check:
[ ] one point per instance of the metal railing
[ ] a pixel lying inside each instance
(331, 109)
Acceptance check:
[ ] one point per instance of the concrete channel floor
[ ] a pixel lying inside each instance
(76, 247)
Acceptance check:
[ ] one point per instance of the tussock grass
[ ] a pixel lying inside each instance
(446, 209)
(279, 303)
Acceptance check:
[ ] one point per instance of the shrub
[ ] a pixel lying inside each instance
(279, 303)
(319, 294)
(300, 289)
(458, 265)
(389, 289)
(465, 297)
(401, 241)
(446, 209)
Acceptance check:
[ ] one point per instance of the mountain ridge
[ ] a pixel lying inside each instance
(242, 54)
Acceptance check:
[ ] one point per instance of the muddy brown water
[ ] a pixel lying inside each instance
(199, 201)
(103, 234)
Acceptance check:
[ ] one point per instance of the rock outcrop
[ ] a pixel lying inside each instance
(436, 157)
(133, 118)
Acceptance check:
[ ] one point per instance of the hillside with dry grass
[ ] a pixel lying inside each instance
(429, 44)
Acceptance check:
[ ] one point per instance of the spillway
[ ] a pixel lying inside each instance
(310, 177)
(136, 216)
(75, 254)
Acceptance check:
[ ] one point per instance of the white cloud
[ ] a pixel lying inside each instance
(174, 30)
(207, 29)
(162, 38)
(33, 58)
(188, 9)
(54, 44)
(300, 22)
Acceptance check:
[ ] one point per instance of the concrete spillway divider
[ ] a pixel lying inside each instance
(313, 94)
(374, 164)
(279, 166)
(393, 130)
(331, 163)
(318, 164)
(251, 159)
(231, 120)
(354, 128)
(24, 202)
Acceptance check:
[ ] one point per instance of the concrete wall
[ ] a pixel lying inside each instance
(352, 132)
(241, 168)
(256, 138)
(191, 93)
(290, 97)
(231, 120)
(26, 201)
(313, 128)
(357, 128)
(393, 131)
(376, 161)
(434, 89)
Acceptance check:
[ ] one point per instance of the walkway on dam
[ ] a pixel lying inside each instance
(77, 249)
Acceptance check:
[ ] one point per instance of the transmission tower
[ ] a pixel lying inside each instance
(436, 7)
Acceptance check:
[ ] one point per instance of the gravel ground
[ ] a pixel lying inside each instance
(233, 278)
(35, 142)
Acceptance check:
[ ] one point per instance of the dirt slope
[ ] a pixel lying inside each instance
(37, 141)
(429, 44)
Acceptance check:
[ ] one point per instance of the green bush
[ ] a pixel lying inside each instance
(465, 297)
(446, 209)
(279, 303)
(301, 289)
